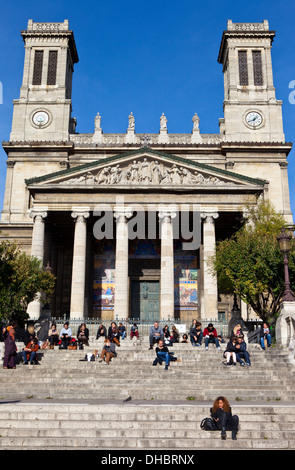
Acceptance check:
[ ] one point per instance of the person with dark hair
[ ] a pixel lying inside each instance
(210, 335)
(83, 336)
(196, 334)
(222, 416)
(65, 335)
(101, 331)
(10, 347)
(53, 336)
(30, 352)
(242, 353)
(134, 331)
(108, 350)
(113, 333)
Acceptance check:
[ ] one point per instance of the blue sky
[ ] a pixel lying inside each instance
(147, 57)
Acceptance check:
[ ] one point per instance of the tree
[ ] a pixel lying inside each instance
(22, 277)
(250, 263)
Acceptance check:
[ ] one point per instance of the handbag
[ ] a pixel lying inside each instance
(207, 424)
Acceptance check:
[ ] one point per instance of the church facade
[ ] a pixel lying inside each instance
(128, 222)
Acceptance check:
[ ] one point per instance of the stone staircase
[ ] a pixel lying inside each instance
(67, 403)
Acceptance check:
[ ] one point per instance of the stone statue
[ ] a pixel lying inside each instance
(131, 121)
(97, 122)
(196, 122)
(163, 122)
(145, 171)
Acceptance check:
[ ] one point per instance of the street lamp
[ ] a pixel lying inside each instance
(284, 240)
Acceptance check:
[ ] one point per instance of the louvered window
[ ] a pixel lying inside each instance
(52, 66)
(38, 64)
(257, 68)
(243, 68)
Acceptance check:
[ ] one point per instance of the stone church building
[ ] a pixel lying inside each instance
(127, 222)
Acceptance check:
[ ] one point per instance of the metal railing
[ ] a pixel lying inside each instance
(143, 325)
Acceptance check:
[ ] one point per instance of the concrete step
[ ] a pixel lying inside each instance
(121, 426)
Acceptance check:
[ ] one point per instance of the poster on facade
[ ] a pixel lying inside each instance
(185, 279)
(104, 276)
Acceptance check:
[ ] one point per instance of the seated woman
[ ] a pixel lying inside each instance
(231, 352)
(29, 352)
(222, 416)
(174, 338)
(113, 333)
(53, 336)
(83, 336)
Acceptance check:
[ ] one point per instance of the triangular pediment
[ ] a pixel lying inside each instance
(145, 168)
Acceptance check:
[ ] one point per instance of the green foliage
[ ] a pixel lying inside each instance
(250, 263)
(22, 277)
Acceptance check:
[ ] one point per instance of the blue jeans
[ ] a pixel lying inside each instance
(31, 358)
(243, 355)
(268, 338)
(212, 340)
(164, 356)
(199, 338)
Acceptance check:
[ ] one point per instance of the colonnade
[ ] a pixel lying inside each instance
(209, 295)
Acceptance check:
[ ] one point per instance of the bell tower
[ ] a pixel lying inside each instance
(251, 111)
(43, 110)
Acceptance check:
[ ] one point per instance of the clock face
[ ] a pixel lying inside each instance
(40, 118)
(254, 119)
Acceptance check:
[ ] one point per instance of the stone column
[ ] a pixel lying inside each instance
(79, 264)
(210, 293)
(37, 250)
(167, 265)
(121, 307)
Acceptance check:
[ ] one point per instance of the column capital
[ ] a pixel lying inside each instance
(121, 215)
(210, 216)
(167, 215)
(38, 213)
(79, 216)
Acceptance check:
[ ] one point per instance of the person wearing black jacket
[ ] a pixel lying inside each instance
(83, 336)
(162, 354)
(231, 352)
(222, 416)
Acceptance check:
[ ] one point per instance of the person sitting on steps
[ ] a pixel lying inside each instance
(29, 352)
(156, 333)
(222, 416)
(108, 350)
(242, 353)
(210, 335)
(162, 354)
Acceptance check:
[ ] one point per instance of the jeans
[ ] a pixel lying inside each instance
(164, 356)
(212, 340)
(268, 338)
(243, 355)
(32, 356)
(199, 338)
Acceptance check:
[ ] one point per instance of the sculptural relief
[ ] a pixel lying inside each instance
(146, 172)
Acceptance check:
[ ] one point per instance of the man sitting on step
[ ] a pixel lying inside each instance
(156, 333)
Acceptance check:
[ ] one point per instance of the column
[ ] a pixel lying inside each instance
(167, 265)
(79, 264)
(121, 307)
(210, 292)
(37, 250)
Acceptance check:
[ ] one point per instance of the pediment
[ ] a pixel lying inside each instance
(145, 168)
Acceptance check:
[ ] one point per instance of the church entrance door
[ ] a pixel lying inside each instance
(144, 300)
